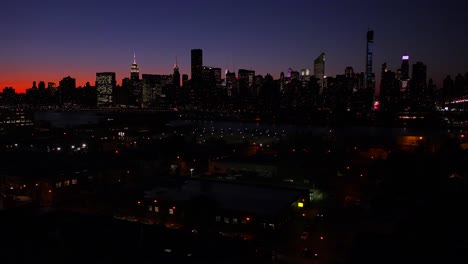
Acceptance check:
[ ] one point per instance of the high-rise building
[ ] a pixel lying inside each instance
(151, 87)
(185, 80)
(176, 76)
(217, 75)
(197, 64)
(419, 74)
(231, 84)
(349, 72)
(305, 77)
(134, 70)
(370, 82)
(105, 84)
(41, 86)
(405, 68)
(319, 71)
(67, 88)
(51, 85)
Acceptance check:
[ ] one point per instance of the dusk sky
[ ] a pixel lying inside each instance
(48, 40)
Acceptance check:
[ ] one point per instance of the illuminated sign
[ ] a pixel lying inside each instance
(405, 57)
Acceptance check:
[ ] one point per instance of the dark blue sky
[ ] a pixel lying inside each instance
(49, 39)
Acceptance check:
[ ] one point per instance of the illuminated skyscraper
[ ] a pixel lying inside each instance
(105, 84)
(405, 68)
(319, 71)
(370, 82)
(134, 70)
(197, 64)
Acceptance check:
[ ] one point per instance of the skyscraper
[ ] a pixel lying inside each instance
(134, 70)
(319, 71)
(405, 68)
(349, 72)
(370, 82)
(176, 76)
(105, 84)
(419, 74)
(197, 64)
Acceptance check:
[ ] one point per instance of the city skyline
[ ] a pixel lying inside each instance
(84, 43)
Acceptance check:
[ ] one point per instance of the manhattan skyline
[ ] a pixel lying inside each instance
(47, 42)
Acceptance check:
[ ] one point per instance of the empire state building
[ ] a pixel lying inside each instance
(134, 70)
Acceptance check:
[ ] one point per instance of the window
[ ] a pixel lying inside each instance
(74, 181)
(243, 221)
(58, 185)
(66, 183)
(226, 220)
(156, 209)
(234, 221)
(218, 218)
(171, 211)
(150, 208)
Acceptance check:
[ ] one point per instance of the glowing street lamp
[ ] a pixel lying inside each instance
(191, 172)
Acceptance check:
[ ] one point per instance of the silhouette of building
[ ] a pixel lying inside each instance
(370, 82)
(105, 85)
(185, 80)
(419, 74)
(349, 72)
(319, 71)
(197, 64)
(176, 76)
(405, 67)
(67, 88)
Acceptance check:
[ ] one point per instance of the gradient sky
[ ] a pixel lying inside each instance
(49, 39)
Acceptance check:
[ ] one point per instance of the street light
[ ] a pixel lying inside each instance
(191, 172)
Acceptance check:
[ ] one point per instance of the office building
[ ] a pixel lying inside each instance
(197, 64)
(419, 75)
(105, 84)
(319, 71)
(370, 81)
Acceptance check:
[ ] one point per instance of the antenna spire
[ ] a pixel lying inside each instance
(134, 58)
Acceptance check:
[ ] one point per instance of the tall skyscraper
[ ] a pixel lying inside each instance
(197, 64)
(370, 82)
(105, 84)
(176, 76)
(419, 74)
(134, 70)
(405, 68)
(319, 71)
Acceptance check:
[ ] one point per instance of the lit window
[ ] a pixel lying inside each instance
(74, 181)
(58, 184)
(150, 208)
(156, 209)
(171, 211)
(66, 183)
(234, 221)
(226, 220)
(218, 218)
